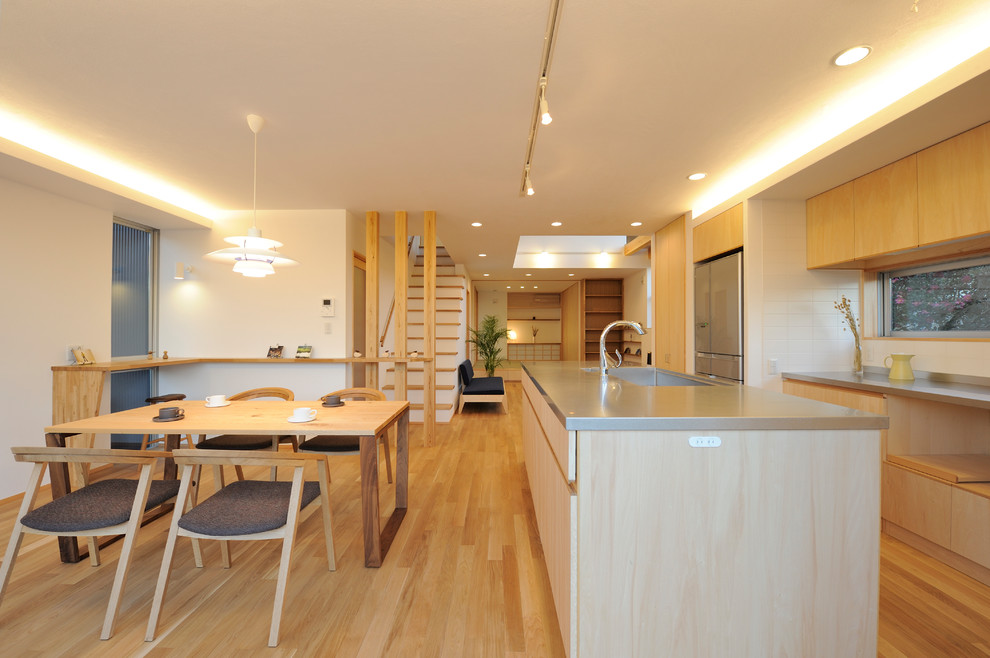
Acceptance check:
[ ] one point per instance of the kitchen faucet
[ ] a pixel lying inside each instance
(605, 360)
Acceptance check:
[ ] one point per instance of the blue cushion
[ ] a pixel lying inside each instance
(99, 505)
(467, 372)
(485, 386)
(245, 507)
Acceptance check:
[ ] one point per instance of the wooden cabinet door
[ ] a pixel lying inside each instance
(669, 292)
(954, 187)
(917, 503)
(721, 233)
(886, 206)
(831, 231)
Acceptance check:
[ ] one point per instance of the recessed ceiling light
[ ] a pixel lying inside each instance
(487, 274)
(636, 224)
(556, 223)
(522, 287)
(482, 255)
(528, 274)
(535, 287)
(698, 176)
(570, 275)
(851, 55)
(475, 223)
(508, 286)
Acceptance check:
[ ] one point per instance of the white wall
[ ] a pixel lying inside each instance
(217, 313)
(56, 292)
(800, 326)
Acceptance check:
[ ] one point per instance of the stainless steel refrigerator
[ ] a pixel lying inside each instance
(718, 330)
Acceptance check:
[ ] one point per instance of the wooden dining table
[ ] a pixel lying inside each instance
(362, 419)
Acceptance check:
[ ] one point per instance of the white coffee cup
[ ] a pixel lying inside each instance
(303, 413)
(215, 400)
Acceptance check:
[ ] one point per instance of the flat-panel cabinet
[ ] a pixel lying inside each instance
(721, 233)
(954, 187)
(885, 203)
(831, 234)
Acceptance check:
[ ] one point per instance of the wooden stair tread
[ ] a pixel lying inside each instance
(420, 369)
(954, 468)
(415, 406)
(436, 324)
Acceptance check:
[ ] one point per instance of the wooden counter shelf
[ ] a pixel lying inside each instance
(958, 469)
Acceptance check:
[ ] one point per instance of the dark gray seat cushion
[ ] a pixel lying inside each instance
(245, 507)
(236, 442)
(485, 386)
(98, 505)
(466, 371)
(328, 443)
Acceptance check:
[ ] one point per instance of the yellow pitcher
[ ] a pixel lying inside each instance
(900, 367)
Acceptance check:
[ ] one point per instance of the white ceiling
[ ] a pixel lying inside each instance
(397, 105)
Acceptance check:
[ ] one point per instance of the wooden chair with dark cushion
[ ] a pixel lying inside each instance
(349, 445)
(107, 507)
(248, 441)
(480, 389)
(246, 510)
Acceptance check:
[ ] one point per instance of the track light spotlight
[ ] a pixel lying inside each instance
(529, 184)
(545, 117)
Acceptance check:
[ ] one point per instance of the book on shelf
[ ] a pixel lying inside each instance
(304, 351)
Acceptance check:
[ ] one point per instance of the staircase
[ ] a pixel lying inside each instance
(451, 332)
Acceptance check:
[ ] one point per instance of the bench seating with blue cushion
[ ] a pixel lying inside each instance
(479, 389)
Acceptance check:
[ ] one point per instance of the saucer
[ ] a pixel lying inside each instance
(339, 404)
(222, 404)
(158, 419)
(293, 419)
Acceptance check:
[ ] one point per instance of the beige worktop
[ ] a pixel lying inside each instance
(953, 389)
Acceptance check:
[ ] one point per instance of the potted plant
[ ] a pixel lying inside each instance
(486, 340)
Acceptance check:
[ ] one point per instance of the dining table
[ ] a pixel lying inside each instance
(364, 419)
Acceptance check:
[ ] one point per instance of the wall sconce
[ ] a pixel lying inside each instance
(512, 334)
(180, 271)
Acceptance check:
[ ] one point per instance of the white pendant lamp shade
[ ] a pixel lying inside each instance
(253, 255)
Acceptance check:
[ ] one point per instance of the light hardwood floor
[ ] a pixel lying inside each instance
(464, 578)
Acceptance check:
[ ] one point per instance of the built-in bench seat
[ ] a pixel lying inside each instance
(479, 389)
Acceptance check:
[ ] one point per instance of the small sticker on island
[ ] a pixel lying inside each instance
(304, 351)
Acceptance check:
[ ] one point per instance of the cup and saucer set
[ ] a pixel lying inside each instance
(169, 414)
(302, 415)
(332, 401)
(217, 401)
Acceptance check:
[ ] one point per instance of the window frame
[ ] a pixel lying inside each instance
(885, 300)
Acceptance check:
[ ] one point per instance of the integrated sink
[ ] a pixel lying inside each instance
(652, 377)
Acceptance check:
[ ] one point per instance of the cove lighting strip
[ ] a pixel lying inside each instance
(951, 47)
(20, 131)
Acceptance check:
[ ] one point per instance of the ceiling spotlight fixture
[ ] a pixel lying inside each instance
(851, 55)
(508, 286)
(487, 274)
(528, 274)
(475, 223)
(482, 255)
(570, 274)
(253, 255)
(545, 117)
(556, 223)
(541, 112)
(698, 176)
(636, 224)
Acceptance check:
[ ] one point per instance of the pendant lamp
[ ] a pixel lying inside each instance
(253, 255)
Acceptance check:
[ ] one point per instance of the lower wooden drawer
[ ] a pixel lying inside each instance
(971, 524)
(917, 503)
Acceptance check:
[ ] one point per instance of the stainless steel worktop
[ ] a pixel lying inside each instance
(584, 400)
(952, 389)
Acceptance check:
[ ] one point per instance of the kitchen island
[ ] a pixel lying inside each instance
(688, 519)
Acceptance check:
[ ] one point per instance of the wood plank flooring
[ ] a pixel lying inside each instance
(465, 576)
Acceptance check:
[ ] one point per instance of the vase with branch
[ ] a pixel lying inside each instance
(845, 308)
(536, 330)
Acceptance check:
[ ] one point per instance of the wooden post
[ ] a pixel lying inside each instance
(429, 324)
(371, 298)
(400, 314)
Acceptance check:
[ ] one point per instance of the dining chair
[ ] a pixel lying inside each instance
(248, 441)
(349, 445)
(107, 507)
(246, 510)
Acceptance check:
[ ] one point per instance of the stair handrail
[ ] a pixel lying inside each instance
(391, 307)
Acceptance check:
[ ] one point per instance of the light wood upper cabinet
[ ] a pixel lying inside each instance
(669, 267)
(954, 187)
(885, 202)
(721, 233)
(831, 235)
